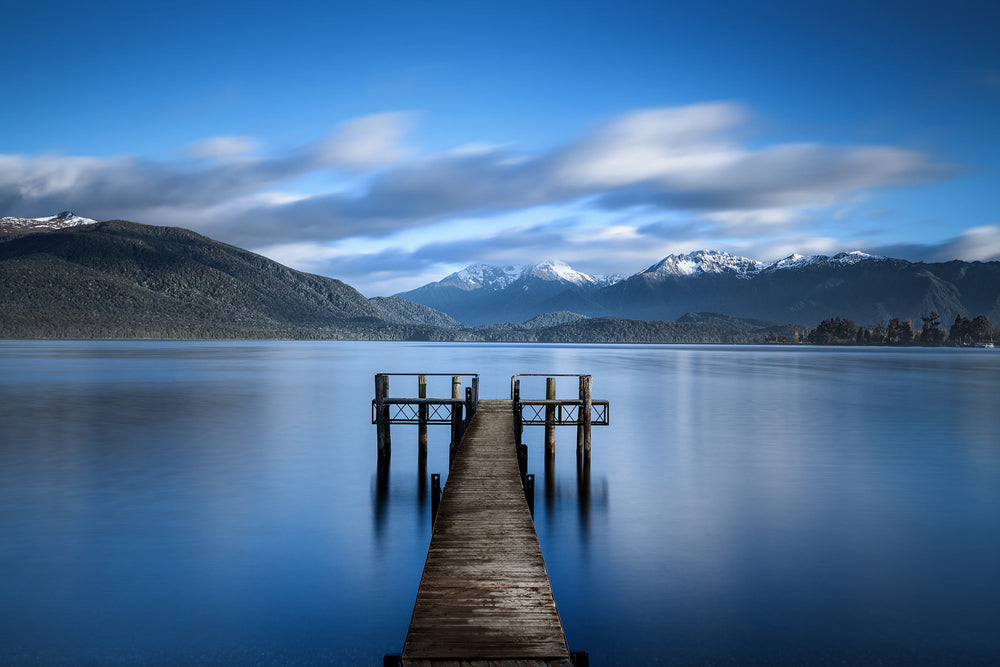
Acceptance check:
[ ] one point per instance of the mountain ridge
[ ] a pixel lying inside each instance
(866, 288)
(67, 276)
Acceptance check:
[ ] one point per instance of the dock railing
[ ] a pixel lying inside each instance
(457, 410)
(583, 412)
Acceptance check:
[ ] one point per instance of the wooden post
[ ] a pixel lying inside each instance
(422, 418)
(550, 418)
(422, 481)
(382, 417)
(522, 460)
(435, 496)
(583, 488)
(550, 484)
(515, 396)
(475, 394)
(583, 420)
(456, 417)
(529, 493)
(468, 407)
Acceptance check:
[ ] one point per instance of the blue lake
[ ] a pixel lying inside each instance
(219, 502)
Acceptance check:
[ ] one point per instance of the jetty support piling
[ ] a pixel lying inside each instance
(522, 460)
(550, 419)
(456, 417)
(382, 433)
(422, 417)
(529, 493)
(435, 496)
(518, 417)
(583, 417)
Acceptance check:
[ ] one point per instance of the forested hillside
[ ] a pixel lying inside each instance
(122, 280)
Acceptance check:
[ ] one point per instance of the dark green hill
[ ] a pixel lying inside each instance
(123, 279)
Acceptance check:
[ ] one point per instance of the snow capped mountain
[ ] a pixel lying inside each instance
(556, 270)
(796, 261)
(490, 278)
(60, 221)
(853, 257)
(701, 262)
(482, 276)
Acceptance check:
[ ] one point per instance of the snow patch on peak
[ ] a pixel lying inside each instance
(702, 262)
(492, 278)
(840, 259)
(608, 280)
(482, 276)
(556, 270)
(853, 257)
(58, 221)
(794, 261)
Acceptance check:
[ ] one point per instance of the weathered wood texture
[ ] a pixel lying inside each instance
(485, 597)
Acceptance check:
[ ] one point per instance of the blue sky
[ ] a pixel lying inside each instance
(388, 144)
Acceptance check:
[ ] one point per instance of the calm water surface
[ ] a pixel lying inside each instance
(219, 503)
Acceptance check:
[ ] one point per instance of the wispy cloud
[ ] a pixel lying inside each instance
(692, 167)
(975, 244)
(222, 148)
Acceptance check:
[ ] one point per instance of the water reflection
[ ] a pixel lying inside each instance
(422, 478)
(179, 503)
(564, 488)
(382, 500)
(583, 500)
(381, 496)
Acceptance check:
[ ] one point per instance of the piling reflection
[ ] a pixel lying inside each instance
(583, 493)
(560, 495)
(381, 496)
(422, 479)
(550, 487)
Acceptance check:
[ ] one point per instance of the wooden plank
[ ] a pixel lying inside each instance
(485, 598)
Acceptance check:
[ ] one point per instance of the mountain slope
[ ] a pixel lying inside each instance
(124, 279)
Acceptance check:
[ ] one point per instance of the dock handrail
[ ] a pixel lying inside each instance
(387, 410)
(549, 412)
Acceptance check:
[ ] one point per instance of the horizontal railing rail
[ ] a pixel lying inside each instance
(567, 412)
(456, 411)
(407, 410)
(471, 375)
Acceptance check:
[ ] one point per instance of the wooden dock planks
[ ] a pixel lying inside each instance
(485, 599)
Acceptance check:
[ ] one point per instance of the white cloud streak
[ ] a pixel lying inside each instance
(687, 161)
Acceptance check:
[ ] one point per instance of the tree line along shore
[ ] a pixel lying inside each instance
(963, 332)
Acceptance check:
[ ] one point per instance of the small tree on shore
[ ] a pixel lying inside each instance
(931, 332)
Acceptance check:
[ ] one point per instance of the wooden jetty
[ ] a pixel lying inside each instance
(484, 597)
